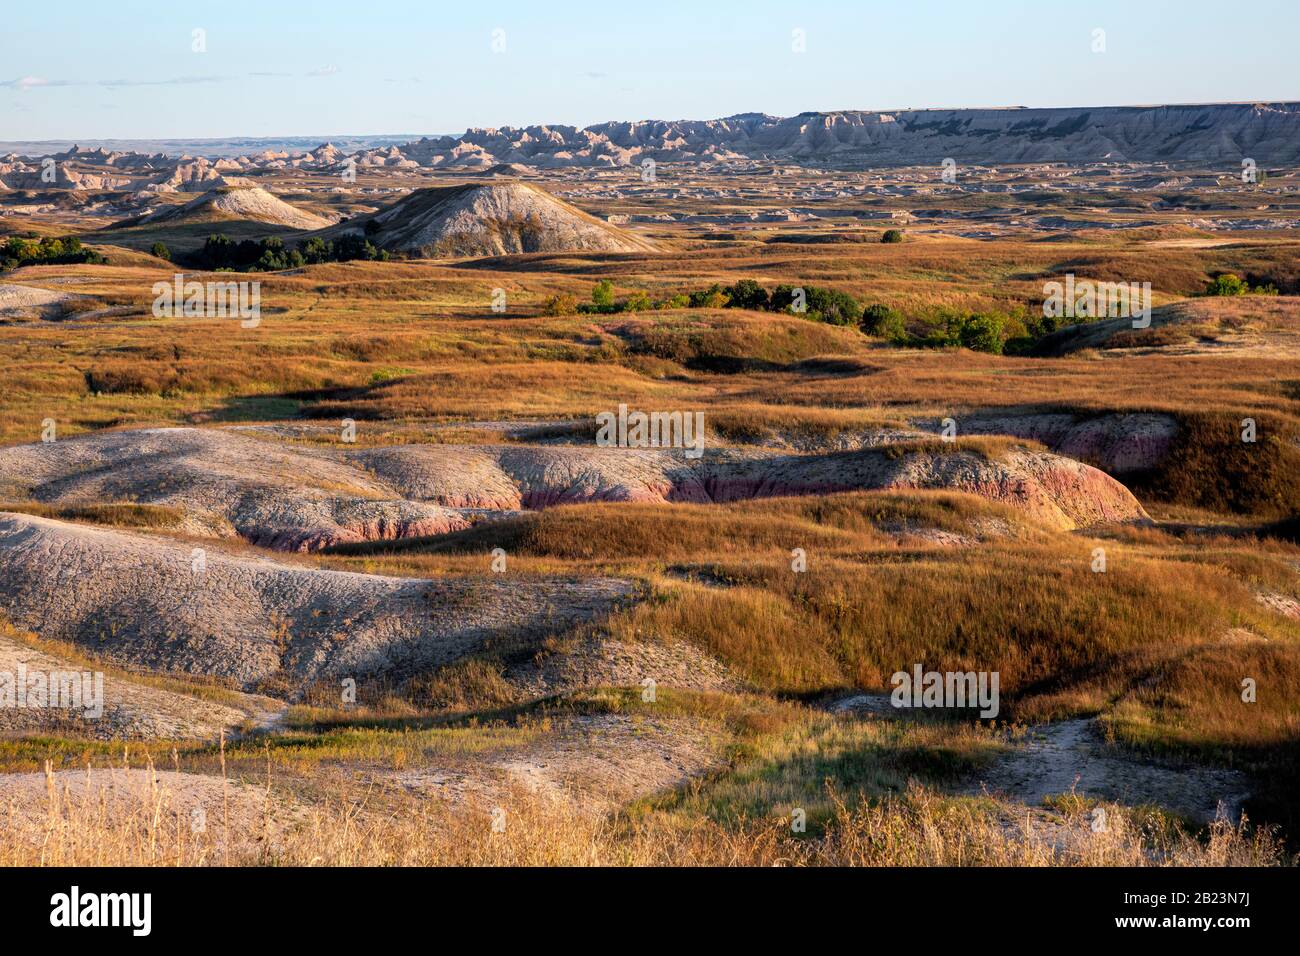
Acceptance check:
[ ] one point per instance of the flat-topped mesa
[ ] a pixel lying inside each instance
(488, 219)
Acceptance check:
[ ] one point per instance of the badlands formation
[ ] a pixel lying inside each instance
(373, 539)
(488, 220)
(1206, 133)
(245, 202)
(297, 499)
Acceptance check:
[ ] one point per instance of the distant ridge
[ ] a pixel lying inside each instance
(1214, 133)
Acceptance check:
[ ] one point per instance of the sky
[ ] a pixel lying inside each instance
(134, 69)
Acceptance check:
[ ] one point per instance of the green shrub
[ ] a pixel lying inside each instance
(602, 295)
(714, 297)
(983, 332)
(892, 235)
(832, 306)
(316, 250)
(160, 251)
(1227, 284)
(24, 250)
(747, 294)
(783, 299)
(883, 322)
(638, 302)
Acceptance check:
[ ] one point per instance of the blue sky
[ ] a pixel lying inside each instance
(127, 69)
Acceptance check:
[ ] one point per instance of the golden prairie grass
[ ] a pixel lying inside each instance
(426, 327)
(1157, 644)
(1149, 645)
(114, 514)
(917, 828)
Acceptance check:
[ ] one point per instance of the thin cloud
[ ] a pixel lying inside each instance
(174, 81)
(323, 71)
(32, 82)
(35, 82)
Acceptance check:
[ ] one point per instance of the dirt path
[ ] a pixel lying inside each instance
(1072, 755)
(1052, 759)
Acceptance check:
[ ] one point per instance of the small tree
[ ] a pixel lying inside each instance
(983, 333)
(352, 246)
(748, 294)
(316, 250)
(218, 251)
(1228, 283)
(638, 302)
(160, 251)
(833, 306)
(883, 322)
(892, 235)
(714, 297)
(602, 295)
(782, 299)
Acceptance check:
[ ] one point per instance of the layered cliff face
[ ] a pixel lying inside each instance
(1214, 135)
(1211, 134)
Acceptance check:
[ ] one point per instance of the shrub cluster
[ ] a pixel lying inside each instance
(982, 332)
(1229, 283)
(269, 255)
(28, 250)
(994, 332)
(811, 302)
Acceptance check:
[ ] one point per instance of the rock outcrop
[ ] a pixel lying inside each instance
(250, 203)
(490, 219)
(299, 498)
(142, 601)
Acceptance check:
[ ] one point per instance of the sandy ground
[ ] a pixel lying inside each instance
(492, 219)
(1282, 603)
(26, 300)
(242, 202)
(599, 762)
(291, 497)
